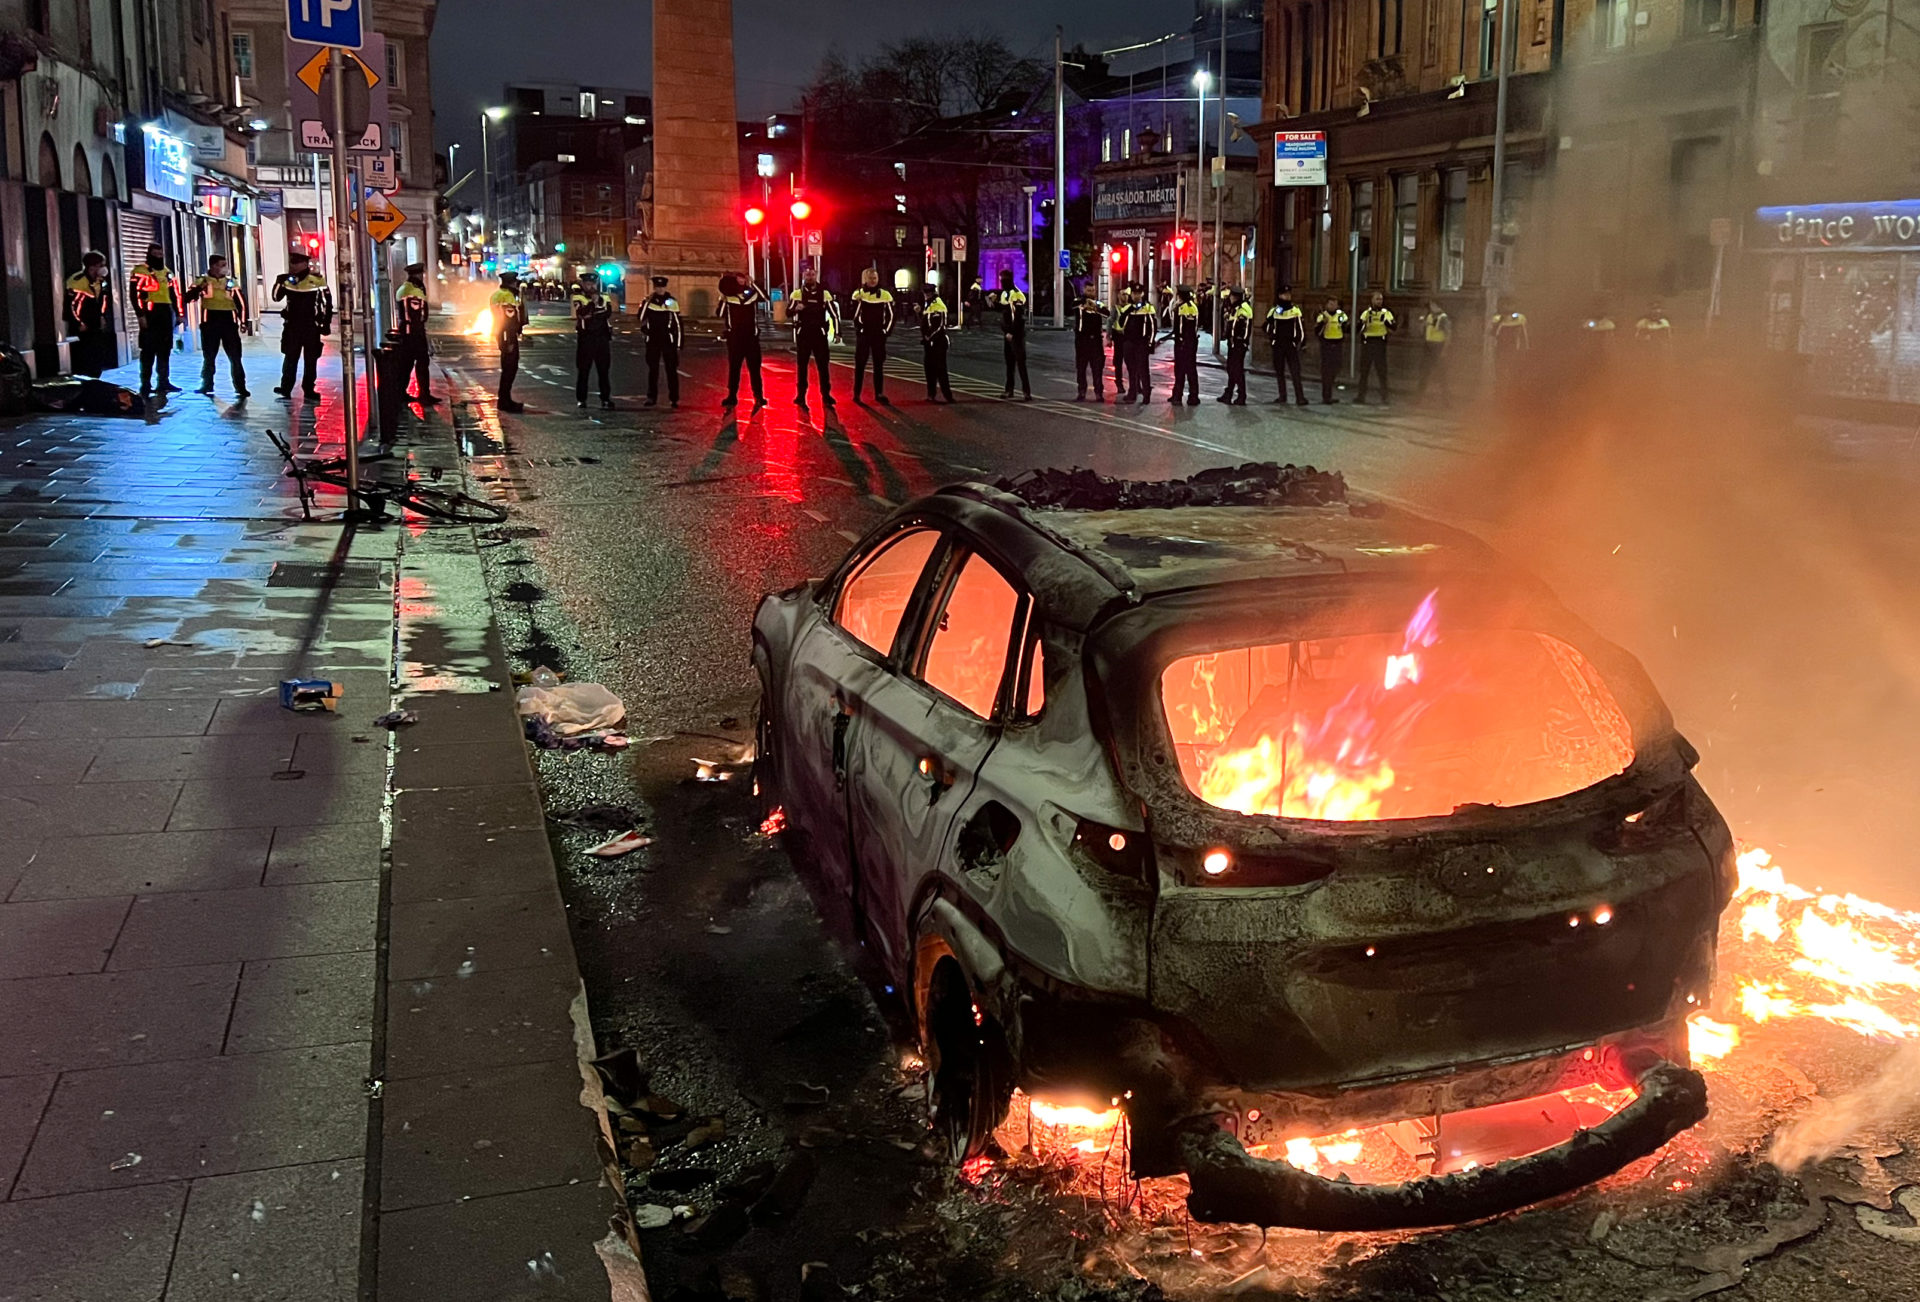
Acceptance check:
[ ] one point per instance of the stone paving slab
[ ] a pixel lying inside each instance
(287, 1003)
(515, 1244)
(262, 922)
(57, 937)
(198, 1117)
(290, 1234)
(144, 863)
(112, 1246)
(100, 1019)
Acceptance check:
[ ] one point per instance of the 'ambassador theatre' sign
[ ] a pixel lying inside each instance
(1121, 198)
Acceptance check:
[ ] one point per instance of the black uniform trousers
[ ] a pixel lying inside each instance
(156, 346)
(1286, 361)
(220, 331)
(413, 357)
(1014, 346)
(934, 359)
(1329, 367)
(1090, 364)
(297, 343)
(1373, 357)
(93, 351)
(509, 368)
(1236, 371)
(1119, 364)
(659, 354)
(1139, 377)
(1186, 370)
(595, 353)
(743, 352)
(812, 348)
(869, 348)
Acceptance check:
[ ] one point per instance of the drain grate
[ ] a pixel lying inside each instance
(305, 574)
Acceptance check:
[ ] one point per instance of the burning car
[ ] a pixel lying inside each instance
(1262, 814)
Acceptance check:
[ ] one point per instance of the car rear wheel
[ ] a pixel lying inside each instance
(766, 772)
(970, 1069)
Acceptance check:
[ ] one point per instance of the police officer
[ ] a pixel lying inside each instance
(1376, 323)
(1138, 339)
(659, 327)
(509, 319)
(1437, 329)
(1185, 333)
(1089, 355)
(411, 302)
(306, 316)
(87, 319)
(1653, 332)
(157, 307)
(593, 340)
(1286, 327)
(933, 345)
(1013, 334)
(816, 319)
(872, 322)
(1116, 336)
(1330, 327)
(1238, 319)
(1510, 341)
(223, 310)
(740, 324)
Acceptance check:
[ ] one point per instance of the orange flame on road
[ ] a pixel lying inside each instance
(482, 324)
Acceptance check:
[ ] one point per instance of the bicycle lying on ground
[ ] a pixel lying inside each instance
(408, 495)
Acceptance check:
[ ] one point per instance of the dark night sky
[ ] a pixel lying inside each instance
(480, 45)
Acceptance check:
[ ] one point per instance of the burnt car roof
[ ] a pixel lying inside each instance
(1254, 523)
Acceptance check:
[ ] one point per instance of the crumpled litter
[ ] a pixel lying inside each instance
(625, 843)
(542, 734)
(396, 719)
(569, 709)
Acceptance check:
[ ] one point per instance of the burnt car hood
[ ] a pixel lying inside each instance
(1390, 950)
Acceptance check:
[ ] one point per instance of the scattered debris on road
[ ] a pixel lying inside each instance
(310, 695)
(625, 843)
(396, 719)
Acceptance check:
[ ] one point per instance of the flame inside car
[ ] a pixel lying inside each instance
(1397, 726)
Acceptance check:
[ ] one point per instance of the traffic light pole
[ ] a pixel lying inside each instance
(345, 254)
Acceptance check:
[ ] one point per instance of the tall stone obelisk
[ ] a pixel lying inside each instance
(697, 235)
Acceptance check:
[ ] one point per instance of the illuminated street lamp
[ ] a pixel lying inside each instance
(1201, 80)
(488, 115)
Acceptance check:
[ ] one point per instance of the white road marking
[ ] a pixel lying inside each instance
(818, 518)
(848, 534)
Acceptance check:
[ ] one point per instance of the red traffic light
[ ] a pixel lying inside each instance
(800, 209)
(1179, 244)
(754, 216)
(1118, 257)
(313, 244)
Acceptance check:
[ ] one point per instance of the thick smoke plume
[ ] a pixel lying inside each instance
(1832, 1123)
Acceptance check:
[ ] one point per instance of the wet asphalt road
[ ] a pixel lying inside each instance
(642, 542)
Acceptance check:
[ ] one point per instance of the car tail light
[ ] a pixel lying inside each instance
(1120, 852)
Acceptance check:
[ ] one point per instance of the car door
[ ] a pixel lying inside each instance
(921, 736)
(842, 654)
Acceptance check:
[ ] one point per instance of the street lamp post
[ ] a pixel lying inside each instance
(1498, 198)
(1201, 80)
(486, 174)
(1030, 191)
(1220, 188)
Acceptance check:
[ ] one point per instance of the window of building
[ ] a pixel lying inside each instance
(242, 45)
(566, 158)
(197, 18)
(1430, 55)
(1819, 83)
(1126, 142)
(396, 65)
(1306, 60)
(397, 141)
(1612, 23)
(529, 100)
(589, 104)
(1489, 36)
(1361, 207)
(1106, 148)
(1380, 29)
(874, 600)
(1406, 231)
(1707, 17)
(1453, 229)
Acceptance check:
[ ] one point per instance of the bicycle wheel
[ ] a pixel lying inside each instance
(444, 504)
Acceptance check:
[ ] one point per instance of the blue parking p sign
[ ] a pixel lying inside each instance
(339, 23)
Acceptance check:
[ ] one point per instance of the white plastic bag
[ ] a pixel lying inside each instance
(572, 708)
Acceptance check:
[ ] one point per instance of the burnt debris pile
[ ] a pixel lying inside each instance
(1262, 483)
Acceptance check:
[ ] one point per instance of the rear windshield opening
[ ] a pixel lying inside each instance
(1392, 725)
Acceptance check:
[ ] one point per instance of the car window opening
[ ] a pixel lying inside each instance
(874, 600)
(1383, 726)
(1036, 684)
(968, 654)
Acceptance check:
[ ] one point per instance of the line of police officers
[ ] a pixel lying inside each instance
(1134, 327)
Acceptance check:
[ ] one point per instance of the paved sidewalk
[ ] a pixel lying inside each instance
(288, 1005)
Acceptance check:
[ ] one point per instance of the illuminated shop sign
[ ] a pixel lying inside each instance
(1852, 227)
(169, 165)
